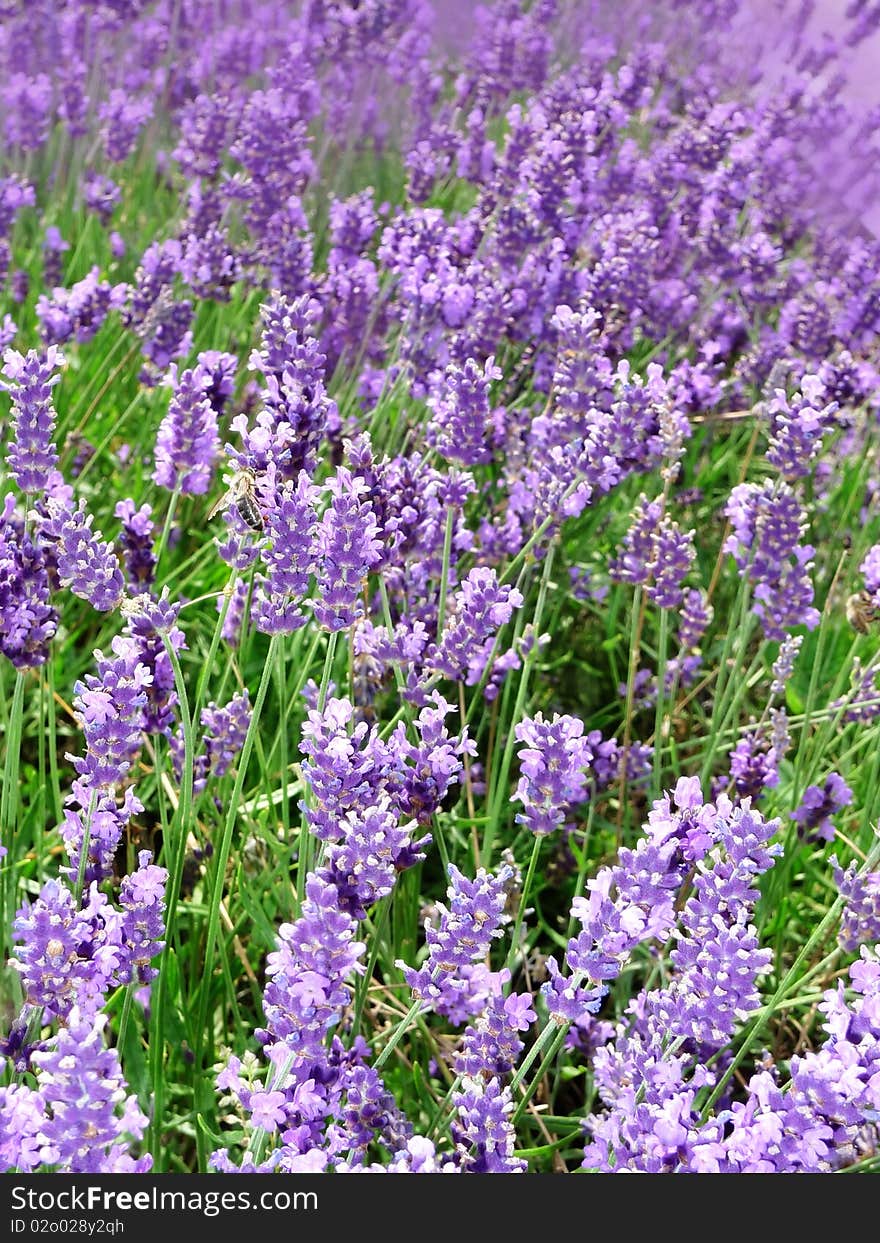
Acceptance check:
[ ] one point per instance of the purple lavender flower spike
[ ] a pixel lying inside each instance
(32, 455)
(188, 443)
(27, 619)
(85, 563)
(477, 610)
(348, 547)
(553, 763)
(818, 805)
(461, 412)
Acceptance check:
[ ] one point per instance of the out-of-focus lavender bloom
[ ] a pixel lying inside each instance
(78, 312)
(219, 369)
(754, 765)
(122, 117)
(696, 616)
(31, 378)
(347, 545)
(818, 805)
(54, 246)
(553, 763)
(85, 563)
(101, 195)
(225, 731)
(783, 665)
(188, 442)
(461, 412)
(637, 556)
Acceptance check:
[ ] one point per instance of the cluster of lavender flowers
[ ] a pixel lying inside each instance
(560, 276)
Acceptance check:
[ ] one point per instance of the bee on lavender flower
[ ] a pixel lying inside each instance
(861, 611)
(241, 492)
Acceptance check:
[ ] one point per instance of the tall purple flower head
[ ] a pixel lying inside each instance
(187, 443)
(78, 312)
(484, 1136)
(553, 763)
(462, 414)
(66, 955)
(818, 805)
(85, 563)
(32, 455)
(466, 929)
(136, 538)
(634, 565)
(225, 731)
(348, 547)
(797, 428)
(289, 557)
(476, 612)
(142, 899)
(768, 522)
(754, 765)
(27, 619)
(123, 117)
(309, 971)
(656, 554)
(297, 411)
(90, 1120)
(218, 369)
(860, 922)
(54, 246)
(696, 615)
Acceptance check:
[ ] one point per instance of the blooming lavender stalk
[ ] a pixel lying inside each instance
(348, 547)
(818, 805)
(31, 378)
(187, 442)
(476, 611)
(289, 558)
(85, 563)
(27, 619)
(553, 763)
(462, 414)
(466, 929)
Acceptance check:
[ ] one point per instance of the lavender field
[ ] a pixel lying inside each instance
(439, 586)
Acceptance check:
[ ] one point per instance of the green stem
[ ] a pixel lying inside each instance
(662, 646)
(520, 912)
(9, 802)
(502, 792)
(166, 529)
(444, 577)
(221, 860)
(398, 1034)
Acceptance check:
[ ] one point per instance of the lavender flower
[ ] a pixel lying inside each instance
(290, 557)
(553, 763)
(818, 805)
(347, 548)
(476, 611)
(27, 619)
(461, 411)
(32, 455)
(85, 563)
(482, 1130)
(137, 544)
(187, 443)
(142, 899)
(465, 932)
